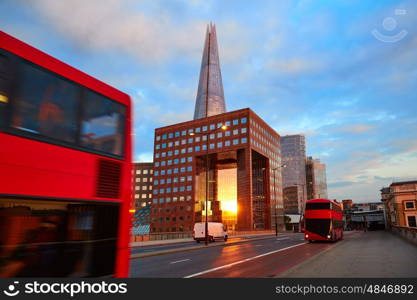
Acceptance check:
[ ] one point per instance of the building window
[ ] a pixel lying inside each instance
(182, 198)
(211, 146)
(174, 199)
(182, 170)
(197, 139)
(212, 126)
(137, 179)
(204, 128)
(169, 180)
(190, 140)
(156, 182)
(164, 136)
(189, 169)
(227, 143)
(177, 134)
(182, 160)
(176, 161)
(411, 220)
(170, 135)
(243, 120)
(176, 152)
(235, 122)
(189, 178)
(219, 135)
(158, 137)
(197, 148)
(145, 171)
(227, 133)
(212, 136)
(189, 158)
(157, 155)
(235, 141)
(204, 147)
(183, 150)
(188, 187)
(190, 149)
(244, 140)
(243, 130)
(169, 144)
(236, 132)
(177, 143)
(156, 173)
(182, 179)
(409, 205)
(184, 132)
(183, 142)
(219, 144)
(182, 188)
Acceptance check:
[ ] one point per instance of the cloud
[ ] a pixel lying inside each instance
(358, 128)
(126, 26)
(292, 65)
(144, 157)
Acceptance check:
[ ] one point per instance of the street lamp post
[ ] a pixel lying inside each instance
(275, 196)
(223, 127)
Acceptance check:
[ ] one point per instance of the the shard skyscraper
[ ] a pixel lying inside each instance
(210, 96)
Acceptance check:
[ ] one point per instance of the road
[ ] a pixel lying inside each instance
(183, 264)
(370, 254)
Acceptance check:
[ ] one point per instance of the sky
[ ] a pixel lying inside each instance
(343, 73)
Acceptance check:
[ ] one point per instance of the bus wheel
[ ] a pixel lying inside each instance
(310, 241)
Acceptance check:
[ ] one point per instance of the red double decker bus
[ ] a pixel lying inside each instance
(65, 169)
(323, 220)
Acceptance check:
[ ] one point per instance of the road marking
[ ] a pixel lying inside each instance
(178, 261)
(258, 245)
(285, 238)
(242, 261)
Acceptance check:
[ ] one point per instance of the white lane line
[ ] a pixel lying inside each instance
(178, 261)
(258, 245)
(242, 261)
(285, 238)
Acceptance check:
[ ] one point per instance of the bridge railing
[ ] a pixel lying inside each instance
(407, 233)
(189, 234)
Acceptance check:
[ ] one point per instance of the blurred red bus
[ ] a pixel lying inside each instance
(65, 169)
(323, 220)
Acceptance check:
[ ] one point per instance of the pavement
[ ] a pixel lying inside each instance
(374, 254)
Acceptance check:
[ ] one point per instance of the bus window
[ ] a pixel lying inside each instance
(4, 95)
(45, 104)
(102, 124)
(57, 239)
(317, 205)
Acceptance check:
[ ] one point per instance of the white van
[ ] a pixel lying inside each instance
(215, 231)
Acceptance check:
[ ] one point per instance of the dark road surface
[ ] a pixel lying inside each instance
(244, 258)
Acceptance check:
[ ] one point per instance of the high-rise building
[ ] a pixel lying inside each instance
(219, 166)
(210, 95)
(316, 179)
(142, 194)
(241, 189)
(294, 174)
